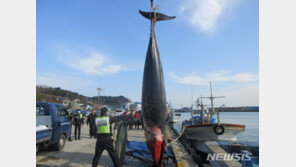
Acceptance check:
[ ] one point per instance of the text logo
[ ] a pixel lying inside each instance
(229, 157)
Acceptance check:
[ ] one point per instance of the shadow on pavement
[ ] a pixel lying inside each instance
(68, 159)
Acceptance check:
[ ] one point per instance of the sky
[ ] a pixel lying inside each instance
(85, 44)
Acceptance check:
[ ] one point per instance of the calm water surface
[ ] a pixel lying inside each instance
(249, 119)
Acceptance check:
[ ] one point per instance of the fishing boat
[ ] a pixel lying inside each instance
(174, 117)
(203, 126)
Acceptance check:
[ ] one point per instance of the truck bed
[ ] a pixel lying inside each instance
(43, 134)
(43, 129)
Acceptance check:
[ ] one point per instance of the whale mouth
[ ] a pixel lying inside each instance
(156, 146)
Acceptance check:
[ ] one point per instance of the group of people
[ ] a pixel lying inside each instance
(100, 127)
(138, 122)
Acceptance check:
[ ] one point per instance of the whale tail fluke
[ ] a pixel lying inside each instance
(156, 16)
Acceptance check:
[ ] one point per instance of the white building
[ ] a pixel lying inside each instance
(133, 106)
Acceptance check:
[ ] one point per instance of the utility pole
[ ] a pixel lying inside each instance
(99, 92)
(86, 101)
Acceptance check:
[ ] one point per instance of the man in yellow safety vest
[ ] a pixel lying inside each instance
(104, 140)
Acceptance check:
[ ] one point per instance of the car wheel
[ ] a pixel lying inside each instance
(61, 143)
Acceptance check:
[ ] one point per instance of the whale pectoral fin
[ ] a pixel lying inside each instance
(159, 16)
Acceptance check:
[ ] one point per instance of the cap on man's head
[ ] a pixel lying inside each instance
(103, 111)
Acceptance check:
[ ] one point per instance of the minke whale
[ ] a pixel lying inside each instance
(153, 94)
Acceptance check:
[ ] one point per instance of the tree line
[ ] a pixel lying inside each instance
(56, 94)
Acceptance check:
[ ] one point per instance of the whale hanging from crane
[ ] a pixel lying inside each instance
(155, 115)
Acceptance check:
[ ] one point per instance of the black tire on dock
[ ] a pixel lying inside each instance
(219, 129)
(61, 143)
(192, 152)
(198, 159)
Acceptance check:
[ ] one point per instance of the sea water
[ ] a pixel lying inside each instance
(249, 119)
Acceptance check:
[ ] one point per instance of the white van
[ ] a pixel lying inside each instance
(119, 112)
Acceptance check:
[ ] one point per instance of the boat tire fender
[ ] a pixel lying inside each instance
(219, 129)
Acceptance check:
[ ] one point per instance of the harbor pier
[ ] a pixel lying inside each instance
(79, 153)
(212, 147)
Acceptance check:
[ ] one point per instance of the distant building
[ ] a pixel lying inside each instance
(132, 106)
(136, 106)
(64, 101)
(127, 106)
(240, 109)
(75, 104)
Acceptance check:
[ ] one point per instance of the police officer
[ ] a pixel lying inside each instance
(70, 117)
(104, 140)
(78, 120)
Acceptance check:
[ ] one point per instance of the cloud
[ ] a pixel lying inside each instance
(191, 79)
(246, 94)
(89, 61)
(182, 9)
(205, 14)
(218, 76)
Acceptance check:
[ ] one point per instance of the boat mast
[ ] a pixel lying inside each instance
(212, 112)
(202, 110)
(191, 97)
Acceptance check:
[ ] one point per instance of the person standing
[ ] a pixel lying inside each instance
(70, 117)
(91, 121)
(137, 123)
(78, 120)
(131, 117)
(104, 140)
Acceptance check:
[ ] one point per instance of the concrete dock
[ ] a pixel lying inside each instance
(211, 147)
(183, 159)
(215, 148)
(79, 153)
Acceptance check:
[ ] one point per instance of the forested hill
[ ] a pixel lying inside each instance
(50, 94)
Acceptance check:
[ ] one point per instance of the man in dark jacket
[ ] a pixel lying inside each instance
(78, 120)
(131, 115)
(70, 117)
(104, 140)
(91, 121)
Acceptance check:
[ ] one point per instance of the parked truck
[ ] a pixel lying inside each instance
(53, 128)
